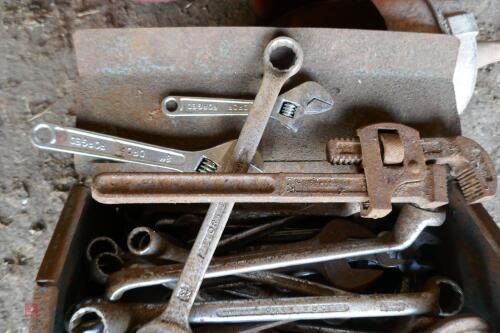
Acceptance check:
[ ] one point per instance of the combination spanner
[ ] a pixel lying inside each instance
(441, 296)
(76, 141)
(410, 223)
(277, 70)
(307, 98)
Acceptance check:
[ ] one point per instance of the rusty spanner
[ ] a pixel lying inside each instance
(283, 58)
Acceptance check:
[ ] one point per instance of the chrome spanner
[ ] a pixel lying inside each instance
(277, 70)
(409, 225)
(143, 241)
(80, 142)
(307, 98)
(441, 296)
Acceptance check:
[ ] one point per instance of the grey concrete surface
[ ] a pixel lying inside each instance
(37, 73)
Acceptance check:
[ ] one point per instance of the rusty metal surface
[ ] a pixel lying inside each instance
(47, 319)
(418, 15)
(381, 179)
(469, 164)
(126, 188)
(58, 264)
(408, 15)
(62, 242)
(373, 75)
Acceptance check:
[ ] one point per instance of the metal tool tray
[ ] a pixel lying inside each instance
(469, 254)
(374, 76)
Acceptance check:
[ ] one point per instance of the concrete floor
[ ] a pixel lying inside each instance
(37, 73)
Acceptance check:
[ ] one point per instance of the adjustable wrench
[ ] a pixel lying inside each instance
(410, 223)
(80, 142)
(290, 108)
(441, 297)
(277, 70)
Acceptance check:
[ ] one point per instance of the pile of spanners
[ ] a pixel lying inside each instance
(345, 271)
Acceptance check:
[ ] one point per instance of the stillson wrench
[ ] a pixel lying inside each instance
(283, 58)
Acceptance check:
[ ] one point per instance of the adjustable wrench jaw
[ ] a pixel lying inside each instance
(469, 164)
(385, 174)
(307, 98)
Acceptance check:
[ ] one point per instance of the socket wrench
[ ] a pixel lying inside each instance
(306, 99)
(282, 59)
(410, 223)
(76, 141)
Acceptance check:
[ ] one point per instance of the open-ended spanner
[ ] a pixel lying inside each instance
(80, 142)
(409, 224)
(143, 241)
(283, 58)
(306, 99)
(440, 296)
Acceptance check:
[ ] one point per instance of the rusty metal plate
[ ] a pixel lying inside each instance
(374, 76)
